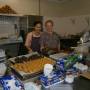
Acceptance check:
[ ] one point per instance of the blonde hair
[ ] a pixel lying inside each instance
(49, 21)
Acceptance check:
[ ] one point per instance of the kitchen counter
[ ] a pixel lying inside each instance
(80, 83)
(11, 46)
(10, 41)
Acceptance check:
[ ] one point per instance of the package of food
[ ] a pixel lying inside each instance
(67, 62)
(55, 77)
(10, 82)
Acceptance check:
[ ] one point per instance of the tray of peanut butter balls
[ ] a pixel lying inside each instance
(30, 65)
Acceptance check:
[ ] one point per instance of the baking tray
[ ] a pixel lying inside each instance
(22, 75)
(12, 60)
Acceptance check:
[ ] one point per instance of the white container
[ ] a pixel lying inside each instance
(3, 69)
(2, 55)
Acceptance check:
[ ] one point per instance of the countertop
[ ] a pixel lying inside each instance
(11, 41)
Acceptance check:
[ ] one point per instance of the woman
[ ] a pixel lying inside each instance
(33, 38)
(49, 39)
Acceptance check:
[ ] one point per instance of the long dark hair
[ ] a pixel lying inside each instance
(37, 22)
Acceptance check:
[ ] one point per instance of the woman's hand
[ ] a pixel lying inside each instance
(30, 51)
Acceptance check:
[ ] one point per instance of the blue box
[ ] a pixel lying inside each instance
(55, 77)
(10, 80)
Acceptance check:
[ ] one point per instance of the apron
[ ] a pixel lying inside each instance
(35, 44)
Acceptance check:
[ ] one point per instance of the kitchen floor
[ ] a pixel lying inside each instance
(82, 84)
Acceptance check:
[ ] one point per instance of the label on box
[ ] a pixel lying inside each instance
(10, 82)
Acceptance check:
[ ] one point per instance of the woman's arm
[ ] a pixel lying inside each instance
(28, 42)
(59, 46)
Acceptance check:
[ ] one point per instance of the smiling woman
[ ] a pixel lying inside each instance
(33, 38)
(49, 39)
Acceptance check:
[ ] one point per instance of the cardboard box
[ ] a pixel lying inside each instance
(86, 74)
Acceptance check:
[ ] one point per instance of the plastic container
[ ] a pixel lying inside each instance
(3, 69)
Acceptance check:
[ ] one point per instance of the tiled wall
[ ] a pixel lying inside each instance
(70, 25)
